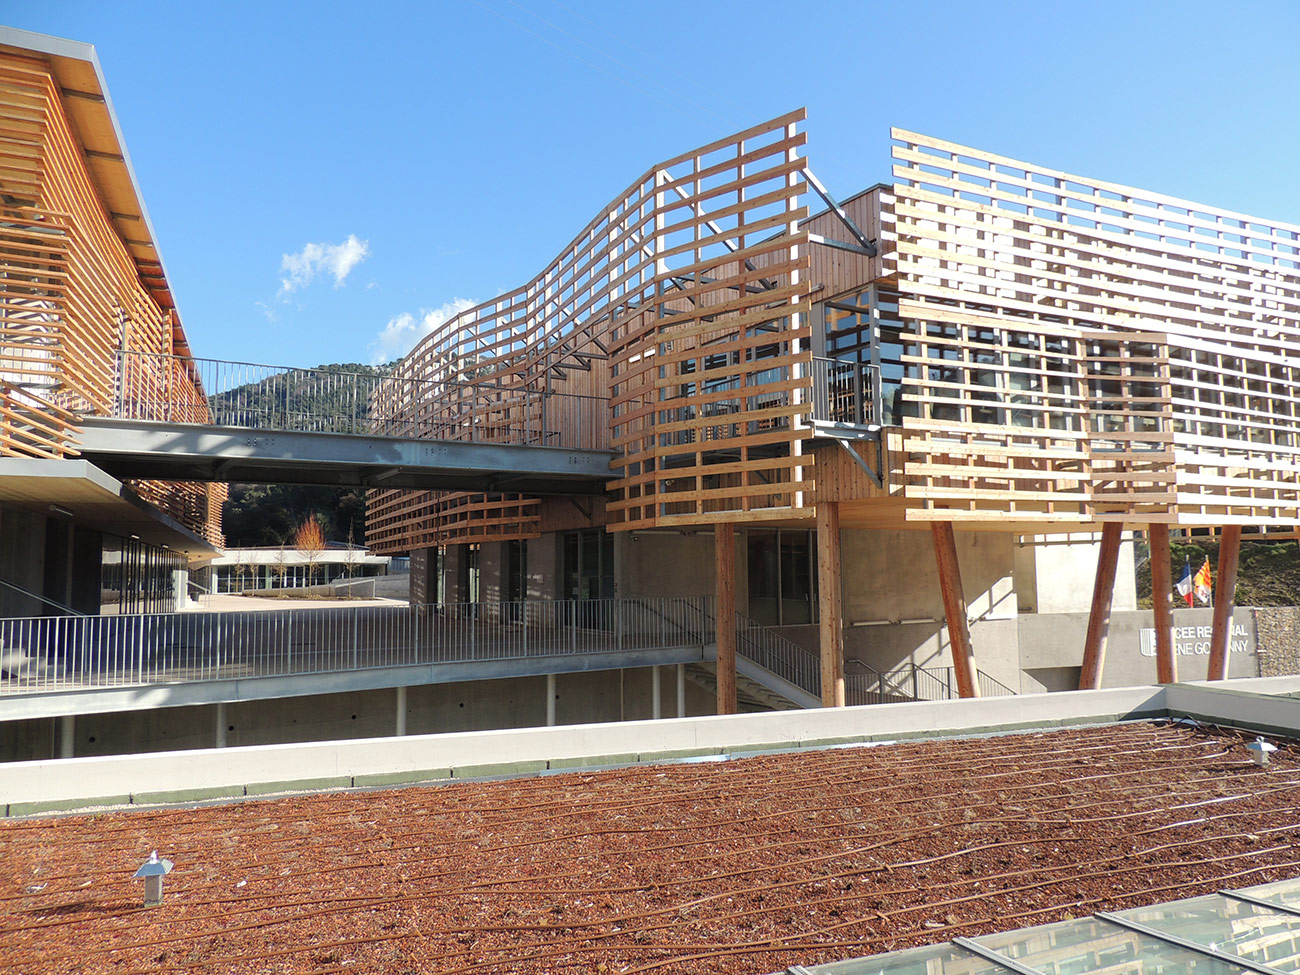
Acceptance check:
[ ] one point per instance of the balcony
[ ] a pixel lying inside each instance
(845, 398)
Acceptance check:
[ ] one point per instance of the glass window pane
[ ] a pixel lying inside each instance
(944, 959)
(1234, 927)
(1093, 945)
(1284, 892)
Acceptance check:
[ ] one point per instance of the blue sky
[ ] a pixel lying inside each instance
(405, 157)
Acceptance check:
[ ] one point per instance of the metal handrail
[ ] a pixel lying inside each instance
(61, 653)
(68, 610)
(776, 653)
(180, 389)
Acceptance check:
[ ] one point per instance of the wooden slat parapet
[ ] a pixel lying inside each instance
(686, 289)
(1081, 352)
(71, 294)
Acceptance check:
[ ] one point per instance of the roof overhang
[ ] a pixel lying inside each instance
(78, 491)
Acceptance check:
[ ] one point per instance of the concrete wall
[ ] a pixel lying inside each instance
(28, 787)
(1055, 573)
(1051, 647)
(662, 563)
(516, 702)
(22, 560)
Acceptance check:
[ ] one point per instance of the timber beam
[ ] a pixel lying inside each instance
(1103, 591)
(954, 609)
(1225, 601)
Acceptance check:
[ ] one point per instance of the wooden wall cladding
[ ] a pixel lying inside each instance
(1085, 352)
(71, 294)
(696, 268)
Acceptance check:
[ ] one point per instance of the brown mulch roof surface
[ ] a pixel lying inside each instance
(748, 865)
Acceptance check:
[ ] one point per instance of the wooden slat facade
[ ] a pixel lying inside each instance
(72, 292)
(1085, 352)
(687, 289)
(1062, 353)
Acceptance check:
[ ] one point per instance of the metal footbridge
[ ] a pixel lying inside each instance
(210, 420)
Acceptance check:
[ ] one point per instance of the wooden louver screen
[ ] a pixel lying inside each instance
(1083, 351)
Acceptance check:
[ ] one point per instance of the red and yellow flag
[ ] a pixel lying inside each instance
(1203, 584)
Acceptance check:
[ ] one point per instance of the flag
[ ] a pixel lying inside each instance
(1184, 587)
(1203, 583)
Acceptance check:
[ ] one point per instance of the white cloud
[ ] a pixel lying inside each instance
(315, 259)
(399, 336)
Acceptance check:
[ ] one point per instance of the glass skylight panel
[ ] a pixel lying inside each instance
(1095, 946)
(942, 959)
(1233, 927)
(1283, 892)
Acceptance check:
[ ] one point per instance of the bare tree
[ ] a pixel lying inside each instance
(351, 556)
(280, 566)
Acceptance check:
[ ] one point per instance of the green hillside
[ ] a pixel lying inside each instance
(268, 514)
(1268, 573)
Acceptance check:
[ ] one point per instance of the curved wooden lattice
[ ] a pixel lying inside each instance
(650, 333)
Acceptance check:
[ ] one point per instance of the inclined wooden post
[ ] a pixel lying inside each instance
(830, 599)
(954, 608)
(1103, 589)
(1225, 601)
(724, 552)
(1162, 587)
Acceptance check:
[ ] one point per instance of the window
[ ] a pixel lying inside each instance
(782, 577)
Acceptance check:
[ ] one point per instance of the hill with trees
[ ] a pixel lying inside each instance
(1268, 573)
(270, 514)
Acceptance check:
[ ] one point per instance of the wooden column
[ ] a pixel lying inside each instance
(1162, 588)
(1103, 589)
(830, 603)
(724, 556)
(954, 608)
(1225, 601)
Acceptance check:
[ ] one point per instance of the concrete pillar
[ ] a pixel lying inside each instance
(724, 545)
(400, 727)
(954, 608)
(221, 727)
(67, 731)
(681, 690)
(550, 700)
(1162, 588)
(180, 589)
(1225, 601)
(1103, 590)
(656, 705)
(830, 609)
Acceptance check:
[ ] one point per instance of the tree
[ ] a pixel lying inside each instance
(281, 564)
(351, 557)
(310, 540)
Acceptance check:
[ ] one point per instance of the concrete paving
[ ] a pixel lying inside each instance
(233, 603)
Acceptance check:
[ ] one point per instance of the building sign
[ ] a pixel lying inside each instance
(1195, 640)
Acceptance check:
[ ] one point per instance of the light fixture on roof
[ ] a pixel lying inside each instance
(1259, 751)
(56, 510)
(153, 870)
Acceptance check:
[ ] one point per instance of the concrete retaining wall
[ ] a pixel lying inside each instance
(187, 776)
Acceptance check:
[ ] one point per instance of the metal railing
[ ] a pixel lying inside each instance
(66, 652)
(178, 389)
(785, 658)
(864, 685)
(845, 392)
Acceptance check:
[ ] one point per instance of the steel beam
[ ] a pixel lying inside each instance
(193, 452)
